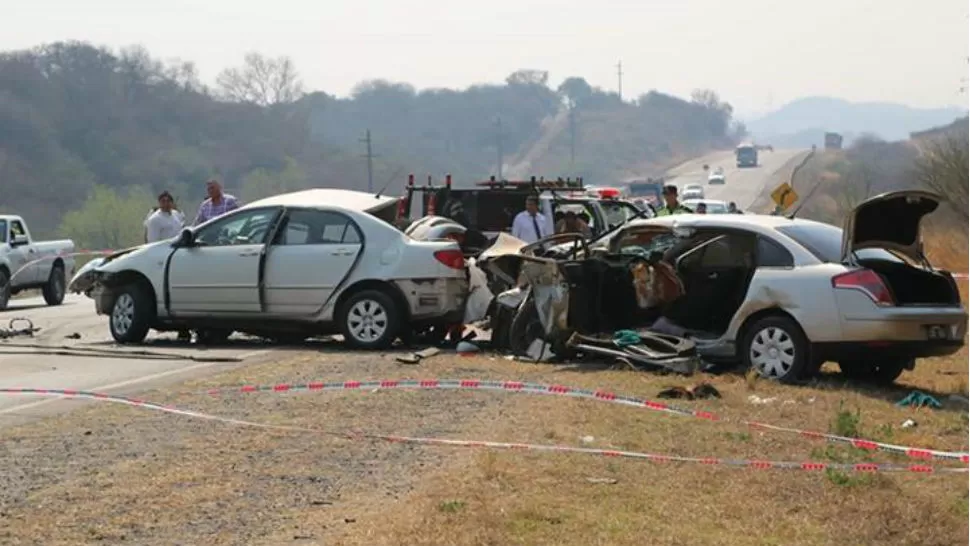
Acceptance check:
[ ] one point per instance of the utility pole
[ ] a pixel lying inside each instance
(619, 78)
(370, 162)
(498, 145)
(572, 135)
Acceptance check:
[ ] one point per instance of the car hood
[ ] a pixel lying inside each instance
(88, 275)
(891, 221)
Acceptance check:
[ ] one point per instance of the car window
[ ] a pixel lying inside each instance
(825, 242)
(772, 254)
(245, 227)
(317, 227)
(16, 229)
(724, 251)
(3, 231)
(582, 209)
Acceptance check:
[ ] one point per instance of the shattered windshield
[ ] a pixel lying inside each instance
(644, 243)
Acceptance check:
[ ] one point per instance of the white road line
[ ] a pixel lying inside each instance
(133, 381)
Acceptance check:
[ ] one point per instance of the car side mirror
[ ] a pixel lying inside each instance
(19, 240)
(186, 239)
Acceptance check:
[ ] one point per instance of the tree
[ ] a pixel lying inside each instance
(109, 219)
(575, 90)
(528, 77)
(261, 80)
(943, 168)
(262, 183)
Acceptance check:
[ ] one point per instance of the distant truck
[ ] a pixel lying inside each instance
(650, 190)
(833, 141)
(746, 155)
(27, 264)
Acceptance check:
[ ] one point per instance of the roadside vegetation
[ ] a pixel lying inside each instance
(87, 129)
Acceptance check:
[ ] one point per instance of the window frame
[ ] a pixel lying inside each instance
(350, 223)
(219, 223)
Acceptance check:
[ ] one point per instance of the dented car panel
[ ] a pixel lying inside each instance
(550, 291)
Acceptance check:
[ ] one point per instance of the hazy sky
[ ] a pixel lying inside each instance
(758, 54)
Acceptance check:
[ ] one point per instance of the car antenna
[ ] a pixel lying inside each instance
(389, 180)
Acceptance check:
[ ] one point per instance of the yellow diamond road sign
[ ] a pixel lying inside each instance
(784, 195)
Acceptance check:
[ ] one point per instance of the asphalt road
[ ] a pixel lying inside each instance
(744, 186)
(110, 367)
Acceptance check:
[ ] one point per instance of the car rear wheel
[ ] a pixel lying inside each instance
(131, 314)
(776, 348)
(54, 290)
(883, 371)
(369, 319)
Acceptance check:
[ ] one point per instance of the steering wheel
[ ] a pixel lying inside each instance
(541, 246)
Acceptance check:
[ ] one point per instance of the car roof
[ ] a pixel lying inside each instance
(326, 197)
(752, 222)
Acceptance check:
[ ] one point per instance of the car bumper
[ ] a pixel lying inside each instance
(435, 298)
(918, 331)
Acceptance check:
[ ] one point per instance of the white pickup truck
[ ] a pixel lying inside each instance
(27, 264)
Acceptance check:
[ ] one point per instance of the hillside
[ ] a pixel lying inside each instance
(88, 136)
(835, 181)
(803, 122)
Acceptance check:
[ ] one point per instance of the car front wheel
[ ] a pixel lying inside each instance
(776, 348)
(369, 319)
(131, 314)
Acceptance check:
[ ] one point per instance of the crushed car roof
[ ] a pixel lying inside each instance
(326, 197)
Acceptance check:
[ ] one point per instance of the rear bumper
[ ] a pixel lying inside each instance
(441, 298)
(881, 350)
(905, 324)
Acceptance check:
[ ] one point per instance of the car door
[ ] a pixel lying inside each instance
(313, 252)
(220, 273)
(23, 268)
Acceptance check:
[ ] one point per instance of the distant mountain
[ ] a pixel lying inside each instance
(804, 121)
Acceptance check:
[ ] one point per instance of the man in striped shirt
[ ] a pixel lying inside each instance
(217, 204)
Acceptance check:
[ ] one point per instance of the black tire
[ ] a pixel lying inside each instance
(132, 313)
(212, 336)
(883, 371)
(4, 289)
(56, 286)
(383, 326)
(791, 355)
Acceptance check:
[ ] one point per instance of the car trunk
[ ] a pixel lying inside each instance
(883, 234)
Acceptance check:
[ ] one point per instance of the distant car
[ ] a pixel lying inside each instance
(692, 191)
(289, 267)
(716, 176)
(786, 295)
(27, 264)
(713, 206)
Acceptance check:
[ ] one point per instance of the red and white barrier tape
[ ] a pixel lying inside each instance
(573, 392)
(76, 253)
(652, 457)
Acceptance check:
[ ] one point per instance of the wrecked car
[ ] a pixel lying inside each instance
(779, 295)
(288, 267)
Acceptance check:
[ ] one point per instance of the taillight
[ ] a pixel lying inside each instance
(866, 281)
(452, 258)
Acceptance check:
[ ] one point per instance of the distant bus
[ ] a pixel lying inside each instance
(747, 155)
(650, 190)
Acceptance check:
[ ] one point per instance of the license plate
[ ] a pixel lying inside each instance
(937, 331)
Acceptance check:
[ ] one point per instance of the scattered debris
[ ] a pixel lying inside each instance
(75, 335)
(701, 391)
(608, 481)
(466, 347)
(13, 331)
(418, 356)
(757, 400)
(909, 423)
(918, 399)
(587, 439)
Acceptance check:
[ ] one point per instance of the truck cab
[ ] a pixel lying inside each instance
(27, 264)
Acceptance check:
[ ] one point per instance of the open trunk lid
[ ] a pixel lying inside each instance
(890, 221)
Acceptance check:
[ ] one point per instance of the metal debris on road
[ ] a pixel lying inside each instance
(12, 331)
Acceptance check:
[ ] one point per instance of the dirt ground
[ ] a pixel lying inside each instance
(113, 474)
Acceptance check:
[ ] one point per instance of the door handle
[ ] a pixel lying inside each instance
(249, 254)
(341, 253)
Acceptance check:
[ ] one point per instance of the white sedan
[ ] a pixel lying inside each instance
(692, 191)
(713, 206)
(289, 267)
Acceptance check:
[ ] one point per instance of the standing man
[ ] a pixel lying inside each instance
(671, 204)
(217, 204)
(165, 222)
(529, 225)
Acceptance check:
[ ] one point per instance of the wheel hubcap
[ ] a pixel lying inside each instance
(772, 352)
(123, 314)
(367, 321)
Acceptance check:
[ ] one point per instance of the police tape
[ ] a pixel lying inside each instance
(597, 395)
(358, 435)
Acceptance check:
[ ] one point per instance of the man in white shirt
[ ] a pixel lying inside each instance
(529, 225)
(165, 222)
